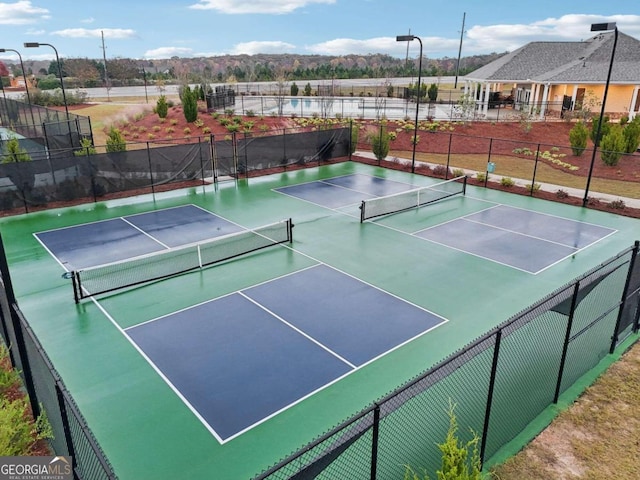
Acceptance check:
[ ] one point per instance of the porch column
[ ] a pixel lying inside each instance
(545, 101)
(574, 95)
(632, 106)
(487, 95)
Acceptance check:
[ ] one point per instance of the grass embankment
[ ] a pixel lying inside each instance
(518, 168)
(598, 438)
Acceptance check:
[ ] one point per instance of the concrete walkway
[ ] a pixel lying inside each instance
(547, 187)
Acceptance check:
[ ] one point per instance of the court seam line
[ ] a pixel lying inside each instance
(159, 372)
(453, 219)
(520, 233)
(477, 255)
(199, 304)
(296, 329)
(557, 216)
(336, 210)
(145, 233)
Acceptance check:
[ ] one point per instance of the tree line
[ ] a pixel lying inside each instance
(88, 73)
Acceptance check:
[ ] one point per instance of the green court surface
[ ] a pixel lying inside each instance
(145, 428)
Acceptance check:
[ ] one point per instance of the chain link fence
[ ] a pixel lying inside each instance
(64, 177)
(44, 129)
(498, 384)
(47, 392)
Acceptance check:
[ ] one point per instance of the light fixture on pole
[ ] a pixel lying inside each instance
(64, 97)
(26, 83)
(601, 27)
(410, 38)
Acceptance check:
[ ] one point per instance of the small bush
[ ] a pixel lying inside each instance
(482, 177)
(631, 134)
(162, 108)
(617, 204)
(612, 146)
(562, 194)
(173, 121)
(578, 136)
(250, 113)
(507, 182)
(441, 171)
(115, 141)
(458, 172)
(535, 188)
(186, 130)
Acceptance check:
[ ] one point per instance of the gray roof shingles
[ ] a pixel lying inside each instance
(567, 62)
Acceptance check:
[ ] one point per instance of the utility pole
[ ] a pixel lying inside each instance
(455, 85)
(104, 57)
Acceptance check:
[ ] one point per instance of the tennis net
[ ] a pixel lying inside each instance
(174, 261)
(418, 197)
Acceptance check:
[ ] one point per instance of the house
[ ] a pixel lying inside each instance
(553, 78)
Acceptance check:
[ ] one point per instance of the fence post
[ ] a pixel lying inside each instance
(374, 441)
(18, 332)
(446, 172)
(535, 168)
(486, 174)
(65, 426)
(625, 290)
(492, 383)
(153, 190)
(567, 336)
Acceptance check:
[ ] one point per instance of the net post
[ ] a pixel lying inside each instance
(75, 281)
(362, 212)
(289, 231)
(464, 185)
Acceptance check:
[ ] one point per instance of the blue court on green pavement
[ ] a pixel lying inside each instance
(221, 371)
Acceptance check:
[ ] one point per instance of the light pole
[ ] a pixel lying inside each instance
(26, 83)
(410, 38)
(144, 74)
(601, 27)
(64, 97)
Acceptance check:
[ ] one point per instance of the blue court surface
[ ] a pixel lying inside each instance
(240, 359)
(345, 190)
(121, 238)
(515, 237)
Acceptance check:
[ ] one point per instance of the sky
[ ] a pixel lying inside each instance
(144, 29)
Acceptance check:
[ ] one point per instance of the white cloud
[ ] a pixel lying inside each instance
(33, 31)
(168, 52)
(574, 27)
(88, 20)
(252, 48)
(114, 33)
(388, 45)
(256, 6)
(21, 13)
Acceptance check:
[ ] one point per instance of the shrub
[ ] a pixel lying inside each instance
(578, 136)
(432, 92)
(14, 153)
(457, 172)
(115, 141)
(354, 137)
(617, 204)
(562, 194)
(534, 188)
(612, 146)
(631, 134)
(250, 113)
(380, 144)
(162, 108)
(482, 177)
(233, 127)
(156, 128)
(87, 148)
(441, 171)
(189, 104)
(186, 130)
(173, 121)
(507, 182)
(198, 123)
(604, 130)
(294, 89)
